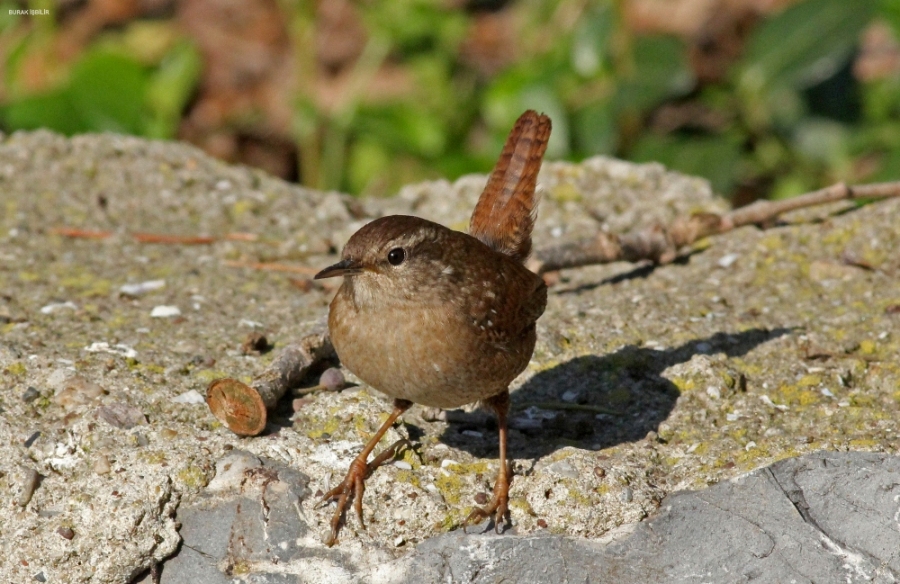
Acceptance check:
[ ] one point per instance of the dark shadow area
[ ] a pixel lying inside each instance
(641, 271)
(628, 384)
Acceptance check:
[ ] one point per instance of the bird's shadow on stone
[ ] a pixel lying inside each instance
(639, 272)
(593, 402)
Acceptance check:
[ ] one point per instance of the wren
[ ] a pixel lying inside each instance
(441, 318)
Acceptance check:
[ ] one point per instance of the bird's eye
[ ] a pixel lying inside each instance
(396, 256)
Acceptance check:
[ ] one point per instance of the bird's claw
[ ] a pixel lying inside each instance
(354, 484)
(497, 509)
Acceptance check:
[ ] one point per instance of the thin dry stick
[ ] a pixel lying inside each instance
(661, 244)
(244, 408)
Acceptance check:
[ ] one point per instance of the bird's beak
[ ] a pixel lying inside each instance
(342, 268)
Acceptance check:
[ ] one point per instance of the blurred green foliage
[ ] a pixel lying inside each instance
(794, 117)
(137, 81)
(790, 114)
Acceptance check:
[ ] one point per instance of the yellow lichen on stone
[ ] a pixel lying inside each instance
(521, 504)
(17, 368)
(152, 456)
(87, 285)
(327, 426)
(207, 376)
(565, 192)
(809, 380)
(868, 347)
(795, 396)
(192, 477)
(408, 477)
(683, 385)
(450, 479)
(864, 443)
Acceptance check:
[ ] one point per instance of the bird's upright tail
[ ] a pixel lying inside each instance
(505, 214)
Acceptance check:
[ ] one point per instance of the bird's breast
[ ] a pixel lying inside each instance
(428, 354)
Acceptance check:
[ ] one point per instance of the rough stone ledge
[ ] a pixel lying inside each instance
(759, 346)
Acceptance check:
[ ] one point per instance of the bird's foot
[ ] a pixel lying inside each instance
(497, 509)
(354, 485)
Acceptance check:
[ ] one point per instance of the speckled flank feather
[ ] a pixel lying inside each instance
(505, 213)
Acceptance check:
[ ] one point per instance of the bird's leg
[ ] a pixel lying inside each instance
(498, 508)
(354, 483)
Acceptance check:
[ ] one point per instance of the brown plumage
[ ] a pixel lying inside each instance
(433, 316)
(504, 216)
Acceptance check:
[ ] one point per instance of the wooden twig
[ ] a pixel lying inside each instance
(163, 238)
(661, 244)
(75, 233)
(174, 239)
(244, 408)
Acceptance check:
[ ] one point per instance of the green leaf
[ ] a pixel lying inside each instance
(107, 90)
(715, 158)
(660, 71)
(520, 90)
(53, 111)
(889, 10)
(590, 40)
(403, 128)
(368, 160)
(595, 129)
(8, 17)
(805, 44)
(169, 89)
(889, 168)
(822, 140)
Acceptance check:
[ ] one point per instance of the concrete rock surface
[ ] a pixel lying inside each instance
(756, 347)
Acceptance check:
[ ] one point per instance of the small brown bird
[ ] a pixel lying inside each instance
(436, 317)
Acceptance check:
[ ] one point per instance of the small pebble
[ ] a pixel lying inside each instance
(399, 541)
(570, 396)
(141, 288)
(403, 465)
(78, 391)
(165, 311)
(191, 396)
(726, 260)
(30, 440)
(31, 482)
(481, 498)
(40, 577)
(255, 343)
(30, 394)
(542, 524)
(627, 495)
(101, 465)
(123, 350)
(56, 306)
(121, 415)
(66, 532)
(564, 468)
(599, 472)
(332, 379)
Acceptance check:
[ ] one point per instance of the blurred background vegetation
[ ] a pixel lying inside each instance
(765, 98)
